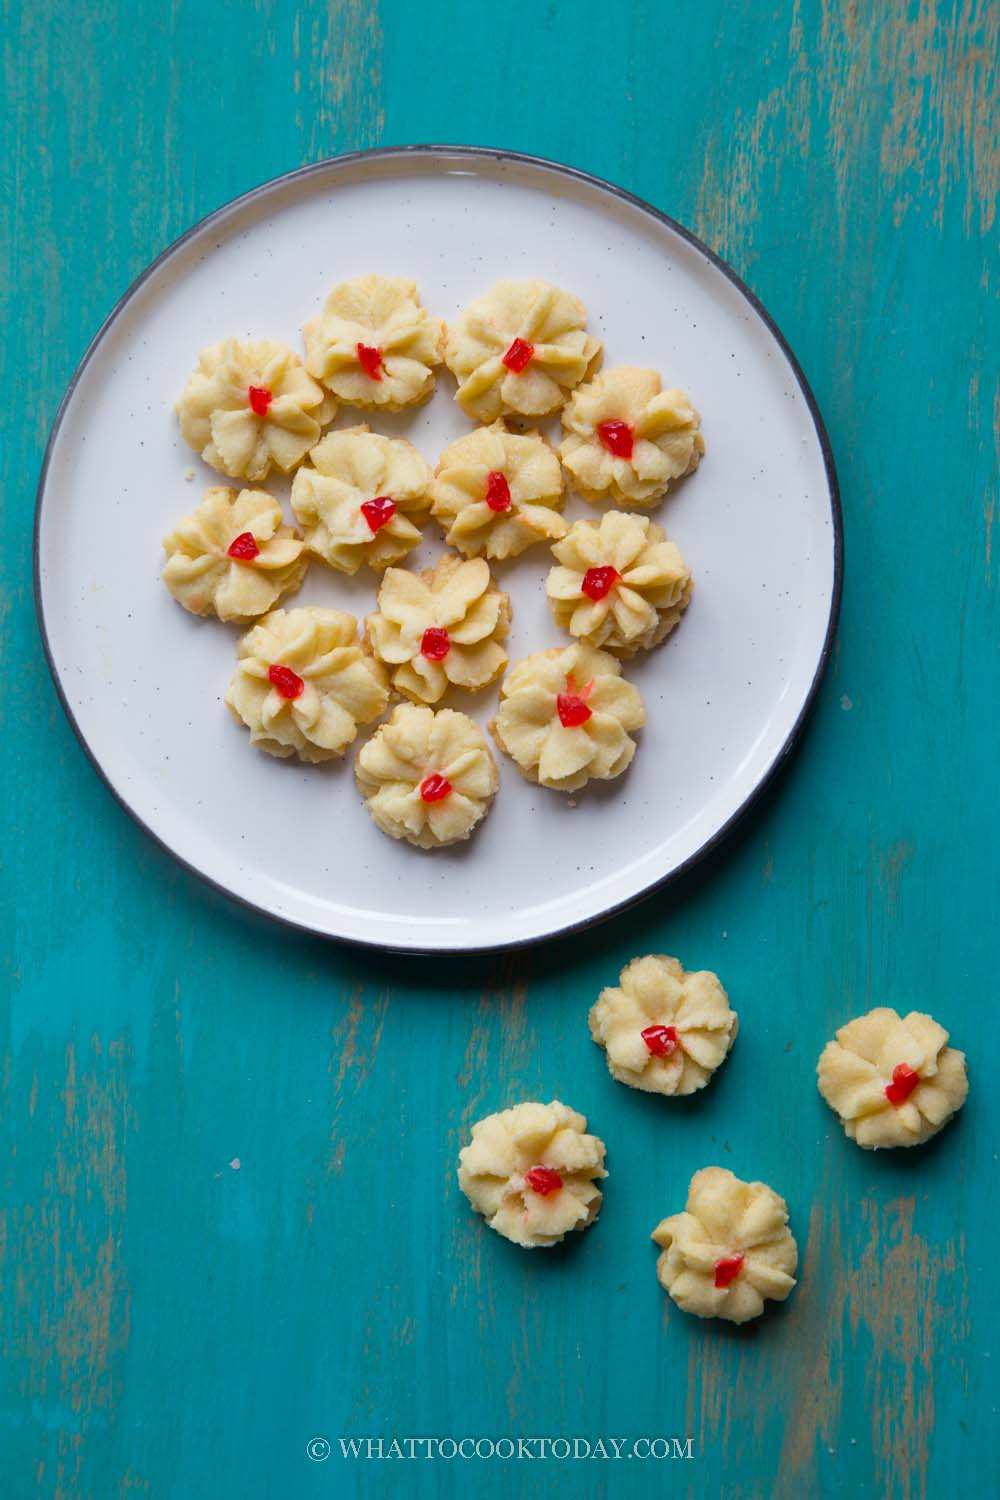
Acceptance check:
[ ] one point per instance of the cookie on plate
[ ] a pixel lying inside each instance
(495, 492)
(519, 350)
(619, 584)
(304, 685)
(664, 1031)
(375, 344)
(730, 1251)
(250, 406)
(566, 717)
(361, 499)
(532, 1172)
(233, 557)
(627, 438)
(427, 777)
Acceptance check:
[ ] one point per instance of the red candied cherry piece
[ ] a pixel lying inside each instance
(288, 683)
(243, 547)
(572, 710)
(379, 511)
(661, 1040)
(497, 491)
(370, 360)
(617, 437)
(434, 787)
(904, 1081)
(435, 643)
(543, 1180)
(518, 356)
(727, 1269)
(260, 399)
(598, 582)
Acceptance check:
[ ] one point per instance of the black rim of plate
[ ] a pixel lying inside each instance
(500, 157)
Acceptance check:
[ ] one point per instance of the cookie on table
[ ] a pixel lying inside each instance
(361, 499)
(893, 1080)
(626, 438)
(519, 350)
(375, 344)
(233, 557)
(439, 628)
(303, 684)
(427, 777)
(730, 1251)
(664, 1031)
(250, 406)
(496, 492)
(532, 1172)
(566, 717)
(619, 584)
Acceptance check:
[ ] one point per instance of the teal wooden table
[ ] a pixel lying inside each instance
(228, 1217)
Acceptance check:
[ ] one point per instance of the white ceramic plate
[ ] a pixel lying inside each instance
(759, 524)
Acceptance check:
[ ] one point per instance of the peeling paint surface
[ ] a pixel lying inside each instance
(229, 1222)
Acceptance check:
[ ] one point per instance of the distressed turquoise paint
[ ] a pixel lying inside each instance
(173, 1327)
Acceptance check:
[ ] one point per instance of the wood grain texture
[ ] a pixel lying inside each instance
(228, 1215)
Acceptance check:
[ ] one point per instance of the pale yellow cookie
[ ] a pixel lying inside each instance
(627, 438)
(496, 492)
(620, 585)
(519, 350)
(303, 684)
(566, 717)
(427, 777)
(440, 627)
(532, 1172)
(250, 405)
(233, 557)
(730, 1251)
(360, 500)
(892, 1079)
(374, 343)
(664, 1031)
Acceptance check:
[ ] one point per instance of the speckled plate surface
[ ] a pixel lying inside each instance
(759, 524)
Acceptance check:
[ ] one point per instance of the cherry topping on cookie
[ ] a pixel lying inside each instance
(904, 1081)
(518, 356)
(598, 582)
(288, 683)
(617, 437)
(497, 491)
(543, 1180)
(434, 643)
(434, 787)
(727, 1269)
(661, 1040)
(260, 399)
(370, 360)
(243, 547)
(378, 511)
(571, 705)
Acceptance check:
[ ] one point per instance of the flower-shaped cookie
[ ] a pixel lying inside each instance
(730, 1251)
(303, 684)
(359, 502)
(233, 557)
(374, 343)
(496, 492)
(427, 777)
(439, 627)
(520, 349)
(627, 438)
(620, 584)
(664, 1031)
(249, 405)
(566, 716)
(893, 1080)
(532, 1172)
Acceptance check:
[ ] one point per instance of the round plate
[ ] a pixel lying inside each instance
(759, 524)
